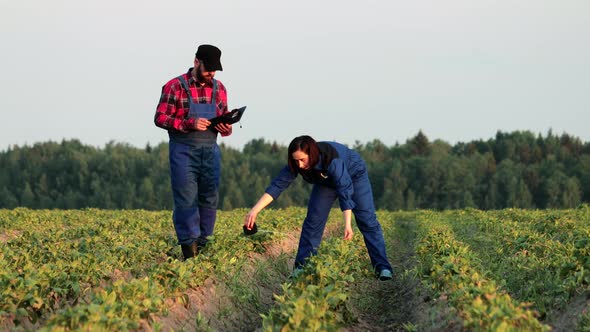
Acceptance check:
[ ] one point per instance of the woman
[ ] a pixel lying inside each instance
(336, 172)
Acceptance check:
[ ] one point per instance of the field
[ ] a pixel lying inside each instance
(459, 270)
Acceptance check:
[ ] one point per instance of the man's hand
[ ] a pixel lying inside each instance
(202, 124)
(223, 128)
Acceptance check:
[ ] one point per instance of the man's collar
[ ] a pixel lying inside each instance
(193, 80)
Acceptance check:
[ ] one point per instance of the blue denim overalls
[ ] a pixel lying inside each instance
(323, 195)
(319, 206)
(195, 165)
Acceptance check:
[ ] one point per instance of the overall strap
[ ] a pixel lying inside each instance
(214, 93)
(184, 84)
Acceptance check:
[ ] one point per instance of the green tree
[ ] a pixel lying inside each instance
(27, 198)
(147, 197)
(7, 199)
(394, 186)
(419, 144)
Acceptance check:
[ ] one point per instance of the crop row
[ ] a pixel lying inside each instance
(449, 270)
(120, 270)
(534, 261)
(115, 270)
(316, 299)
(539, 258)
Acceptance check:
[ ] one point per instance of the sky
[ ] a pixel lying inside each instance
(350, 71)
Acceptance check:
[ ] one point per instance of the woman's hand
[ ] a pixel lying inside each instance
(250, 219)
(347, 217)
(348, 233)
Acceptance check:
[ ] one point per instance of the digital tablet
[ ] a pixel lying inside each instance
(228, 118)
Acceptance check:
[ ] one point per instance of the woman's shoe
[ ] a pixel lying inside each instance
(296, 272)
(385, 274)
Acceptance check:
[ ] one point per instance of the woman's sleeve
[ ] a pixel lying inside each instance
(281, 182)
(339, 172)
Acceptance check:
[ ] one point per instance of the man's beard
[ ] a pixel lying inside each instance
(201, 77)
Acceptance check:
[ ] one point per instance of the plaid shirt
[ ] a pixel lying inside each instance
(172, 110)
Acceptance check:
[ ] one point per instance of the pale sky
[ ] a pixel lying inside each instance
(458, 70)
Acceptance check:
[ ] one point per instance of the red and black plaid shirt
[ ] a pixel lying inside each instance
(173, 107)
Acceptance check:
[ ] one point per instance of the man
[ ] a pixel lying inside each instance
(186, 105)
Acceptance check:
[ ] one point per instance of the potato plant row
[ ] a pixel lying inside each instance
(536, 260)
(110, 270)
(65, 270)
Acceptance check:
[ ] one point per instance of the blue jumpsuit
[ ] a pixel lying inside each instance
(347, 180)
(195, 165)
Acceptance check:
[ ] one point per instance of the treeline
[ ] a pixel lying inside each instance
(517, 169)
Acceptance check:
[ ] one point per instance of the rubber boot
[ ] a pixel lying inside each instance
(201, 243)
(189, 250)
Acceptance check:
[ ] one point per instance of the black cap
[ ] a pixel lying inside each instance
(210, 56)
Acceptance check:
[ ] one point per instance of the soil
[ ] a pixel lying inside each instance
(396, 305)
(9, 235)
(567, 319)
(400, 304)
(210, 307)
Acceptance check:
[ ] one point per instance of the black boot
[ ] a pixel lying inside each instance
(189, 250)
(201, 243)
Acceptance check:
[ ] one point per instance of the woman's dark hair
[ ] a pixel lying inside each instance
(307, 145)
